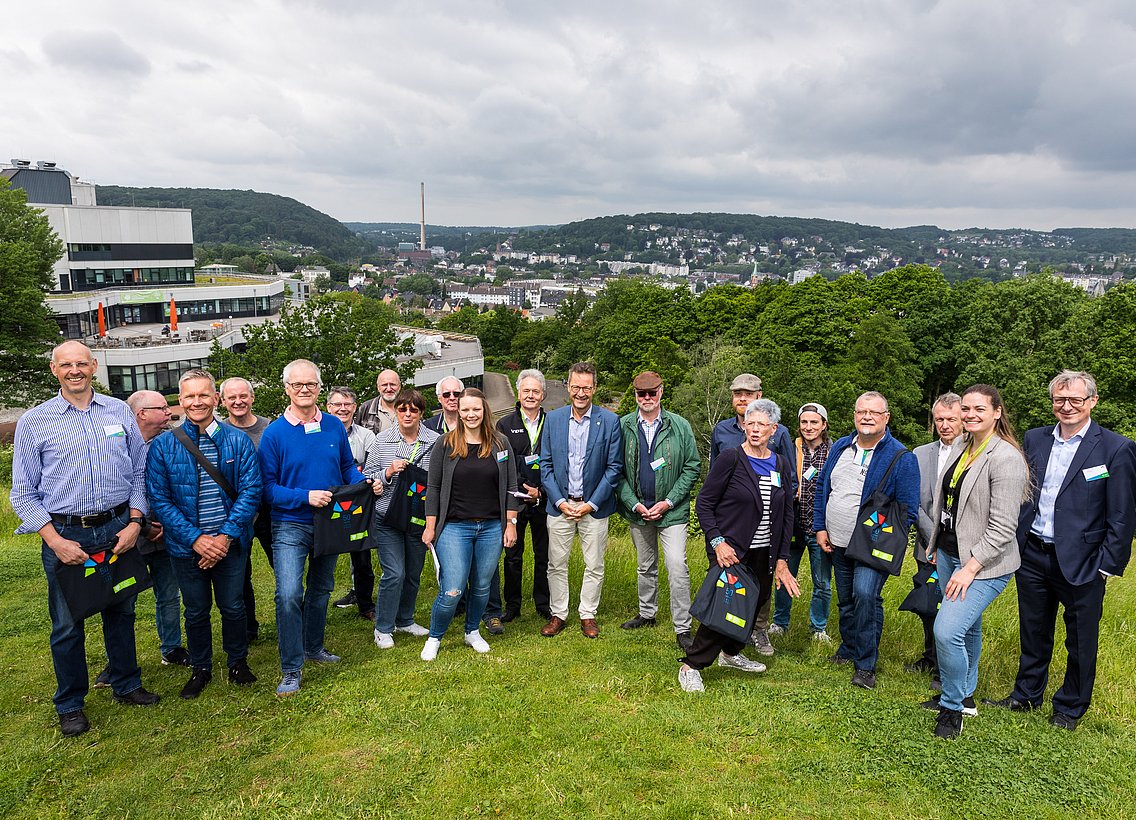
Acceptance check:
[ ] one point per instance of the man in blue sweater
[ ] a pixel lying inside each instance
(855, 467)
(302, 455)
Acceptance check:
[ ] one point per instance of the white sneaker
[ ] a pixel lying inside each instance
(474, 639)
(414, 629)
(740, 662)
(690, 680)
(384, 640)
(430, 650)
(775, 629)
(822, 637)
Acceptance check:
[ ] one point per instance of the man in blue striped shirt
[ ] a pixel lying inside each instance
(78, 480)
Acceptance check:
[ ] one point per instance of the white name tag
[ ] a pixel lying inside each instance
(311, 427)
(1095, 473)
(212, 429)
(113, 430)
(775, 478)
(658, 464)
(533, 459)
(502, 455)
(811, 473)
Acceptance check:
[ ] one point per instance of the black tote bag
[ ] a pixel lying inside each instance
(407, 510)
(880, 537)
(346, 524)
(103, 580)
(727, 601)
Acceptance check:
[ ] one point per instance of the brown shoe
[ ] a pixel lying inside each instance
(554, 627)
(589, 627)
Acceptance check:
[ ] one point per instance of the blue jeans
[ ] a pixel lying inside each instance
(861, 606)
(401, 557)
(68, 638)
(226, 580)
(300, 615)
(958, 632)
(459, 546)
(820, 565)
(167, 601)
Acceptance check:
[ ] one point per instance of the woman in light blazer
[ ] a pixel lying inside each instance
(975, 546)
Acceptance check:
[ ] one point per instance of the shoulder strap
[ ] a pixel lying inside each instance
(887, 472)
(205, 463)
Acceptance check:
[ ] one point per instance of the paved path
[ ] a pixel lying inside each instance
(502, 399)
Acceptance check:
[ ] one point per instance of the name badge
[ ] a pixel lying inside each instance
(114, 431)
(811, 473)
(532, 460)
(658, 464)
(1095, 473)
(211, 430)
(775, 478)
(311, 427)
(502, 455)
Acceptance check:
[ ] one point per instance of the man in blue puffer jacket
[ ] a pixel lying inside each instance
(856, 464)
(208, 533)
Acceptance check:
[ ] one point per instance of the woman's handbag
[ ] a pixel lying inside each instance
(727, 601)
(880, 537)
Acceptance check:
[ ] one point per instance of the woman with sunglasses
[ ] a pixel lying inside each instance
(975, 546)
(471, 508)
(401, 555)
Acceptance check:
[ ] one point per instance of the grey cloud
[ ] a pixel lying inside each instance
(96, 51)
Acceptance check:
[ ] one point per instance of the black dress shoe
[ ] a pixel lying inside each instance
(510, 615)
(544, 612)
(139, 697)
(196, 683)
(684, 640)
(73, 723)
(921, 665)
(241, 675)
(1013, 704)
(637, 622)
(1063, 721)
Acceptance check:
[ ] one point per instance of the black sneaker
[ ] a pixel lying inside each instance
(1011, 703)
(865, 679)
(241, 675)
(684, 640)
(969, 707)
(103, 680)
(948, 725)
(494, 626)
(921, 665)
(347, 601)
(638, 622)
(196, 683)
(139, 697)
(176, 657)
(73, 723)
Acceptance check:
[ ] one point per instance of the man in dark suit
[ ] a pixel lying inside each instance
(581, 461)
(1074, 532)
(524, 428)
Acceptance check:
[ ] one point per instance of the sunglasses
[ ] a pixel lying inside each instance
(450, 394)
(647, 394)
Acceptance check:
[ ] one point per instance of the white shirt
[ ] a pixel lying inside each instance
(1060, 457)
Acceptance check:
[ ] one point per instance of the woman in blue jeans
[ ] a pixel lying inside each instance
(975, 546)
(470, 502)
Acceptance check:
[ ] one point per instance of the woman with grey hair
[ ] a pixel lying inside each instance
(745, 508)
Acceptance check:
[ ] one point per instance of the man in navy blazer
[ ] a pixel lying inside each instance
(1075, 531)
(581, 461)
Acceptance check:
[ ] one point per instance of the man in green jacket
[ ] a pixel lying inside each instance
(660, 465)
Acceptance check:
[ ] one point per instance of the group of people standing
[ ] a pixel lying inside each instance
(89, 470)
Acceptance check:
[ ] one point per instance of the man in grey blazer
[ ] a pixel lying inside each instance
(934, 458)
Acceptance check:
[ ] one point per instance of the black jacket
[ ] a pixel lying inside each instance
(513, 428)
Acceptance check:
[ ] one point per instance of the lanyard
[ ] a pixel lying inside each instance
(414, 452)
(966, 460)
(533, 437)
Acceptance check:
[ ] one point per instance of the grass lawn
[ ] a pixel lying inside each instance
(565, 727)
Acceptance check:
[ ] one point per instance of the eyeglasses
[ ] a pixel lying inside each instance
(575, 388)
(863, 414)
(450, 394)
(1076, 402)
(163, 408)
(300, 387)
(647, 394)
(339, 404)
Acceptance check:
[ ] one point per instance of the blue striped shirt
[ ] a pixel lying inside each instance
(211, 512)
(76, 462)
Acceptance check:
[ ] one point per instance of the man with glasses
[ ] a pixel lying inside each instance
(378, 414)
(729, 433)
(78, 480)
(237, 398)
(341, 404)
(581, 460)
(302, 455)
(1075, 532)
(660, 465)
(447, 390)
(854, 470)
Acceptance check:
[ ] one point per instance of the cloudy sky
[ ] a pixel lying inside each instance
(977, 112)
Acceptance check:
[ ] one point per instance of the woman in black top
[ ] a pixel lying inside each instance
(469, 505)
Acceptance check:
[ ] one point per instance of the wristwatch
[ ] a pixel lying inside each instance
(136, 519)
(714, 542)
(513, 521)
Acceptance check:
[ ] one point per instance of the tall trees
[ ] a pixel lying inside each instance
(28, 250)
